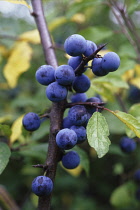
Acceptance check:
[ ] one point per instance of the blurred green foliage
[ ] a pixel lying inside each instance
(101, 183)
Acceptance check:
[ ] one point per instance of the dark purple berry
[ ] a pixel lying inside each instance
(74, 61)
(31, 121)
(81, 83)
(137, 175)
(66, 123)
(42, 185)
(78, 97)
(56, 92)
(81, 133)
(138, 194)
(78, 115)
(127, 144)
(97, 67)
(110, 62)
(75, 45)
(66, 139)
(45, 74)
(91, 48)
(71, 160)
(134, 94)
(64, 75)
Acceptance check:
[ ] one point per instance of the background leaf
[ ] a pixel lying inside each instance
(35, 151)
(19, 2)
(97, 34)
(4, 156)
(16, 129)
(135, 111)
(108, 85)
(30, 36)
(18, 62)
(5, 130)
(84, 159)
(123, 196)
(97, 134)
(114, 81)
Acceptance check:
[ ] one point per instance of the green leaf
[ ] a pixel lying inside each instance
(42, 131)
(35, 151)
(130, 121)
(115, 150)
(5, 130)
(108, 85)
(135, 6)
(126, 64)
(97, 134)
(118, 169)
(4, 156)
(135, 110)
(81, 6)
(123, 196)
(127, 51)
(102, 89)
(117, 127)
(129, 133)
(97, 34)
(114, 80)
(84, 160)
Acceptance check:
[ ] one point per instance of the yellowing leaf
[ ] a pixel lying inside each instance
(108, 85)
(4, 86)
(74, 172)
(23, 2)
(128, 75)
(135, 111)
(78, 1)
(30, 36)
(103, 52)
(78, 18)
(137, 69)
(57, 22)
(5, 118)
(130, 121)
(3, 50)
(135, 82)
(18, 62)
(16, 129)
(133, 75)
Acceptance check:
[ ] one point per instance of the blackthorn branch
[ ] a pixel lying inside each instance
(57, 108)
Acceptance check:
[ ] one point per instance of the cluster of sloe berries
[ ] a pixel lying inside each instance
(59, 81)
